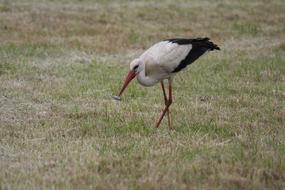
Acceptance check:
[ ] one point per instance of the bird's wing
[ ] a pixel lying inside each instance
(164, 57)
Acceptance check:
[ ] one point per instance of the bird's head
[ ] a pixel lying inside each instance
(135, 68)
(135, 65)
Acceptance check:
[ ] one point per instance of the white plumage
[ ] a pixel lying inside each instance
(166, 54)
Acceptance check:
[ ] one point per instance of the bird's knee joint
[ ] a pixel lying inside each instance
(169, 102)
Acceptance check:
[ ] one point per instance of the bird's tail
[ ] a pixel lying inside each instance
(206, 43)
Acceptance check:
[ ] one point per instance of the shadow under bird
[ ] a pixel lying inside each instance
(163, 61)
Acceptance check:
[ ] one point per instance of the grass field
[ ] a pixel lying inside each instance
(60, 62)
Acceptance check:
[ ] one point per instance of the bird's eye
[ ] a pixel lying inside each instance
(135, 67)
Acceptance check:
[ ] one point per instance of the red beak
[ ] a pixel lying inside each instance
(129, 78)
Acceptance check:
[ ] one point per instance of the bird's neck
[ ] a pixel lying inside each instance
(145, 80)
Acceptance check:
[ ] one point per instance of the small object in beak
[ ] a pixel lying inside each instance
(117, 98)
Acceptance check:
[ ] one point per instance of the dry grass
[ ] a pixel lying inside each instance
(60, 61)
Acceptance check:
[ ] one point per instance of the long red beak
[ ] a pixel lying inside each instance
(129, 78)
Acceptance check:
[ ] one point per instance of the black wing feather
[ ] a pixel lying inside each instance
(199, 47)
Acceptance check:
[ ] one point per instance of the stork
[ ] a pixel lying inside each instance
(163, 61)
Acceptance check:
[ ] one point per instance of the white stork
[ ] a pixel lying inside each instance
(162, 61)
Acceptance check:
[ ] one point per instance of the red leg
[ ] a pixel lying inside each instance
(163, 90)
(167, 104)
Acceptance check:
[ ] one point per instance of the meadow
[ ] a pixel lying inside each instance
(61, 61)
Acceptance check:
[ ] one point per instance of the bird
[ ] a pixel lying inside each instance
(162, 62)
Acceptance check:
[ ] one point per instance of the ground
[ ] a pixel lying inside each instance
(61, 61)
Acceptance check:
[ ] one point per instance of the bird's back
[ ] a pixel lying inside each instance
(165, 58)
(170, 56)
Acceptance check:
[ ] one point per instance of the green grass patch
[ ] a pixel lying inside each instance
(6, 68)
(4, 7)
(246, 28)
(210, 129)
